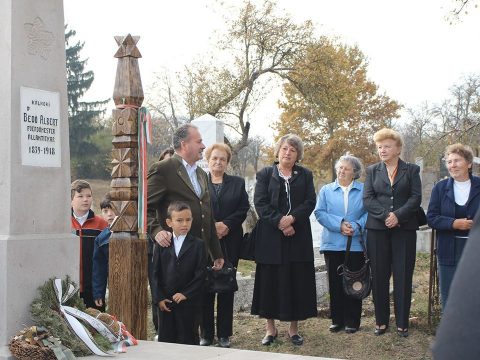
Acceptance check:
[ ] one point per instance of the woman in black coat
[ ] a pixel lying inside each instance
(392, 196)
(285, 275)
(230, 205)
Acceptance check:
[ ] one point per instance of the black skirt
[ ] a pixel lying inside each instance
(285, 292)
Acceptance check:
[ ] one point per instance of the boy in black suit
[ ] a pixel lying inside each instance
(179, 274)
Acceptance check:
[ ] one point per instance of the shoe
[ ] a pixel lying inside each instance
(350, 330)
(402, 333)
(224, 342)
(335, 328)
(205, 342)
(268, 339)
(296, 339)
(379, 331)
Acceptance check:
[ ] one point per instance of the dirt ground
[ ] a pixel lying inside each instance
(249, 330)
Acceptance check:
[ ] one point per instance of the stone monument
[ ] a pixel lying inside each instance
(211, 130)
(35, 238)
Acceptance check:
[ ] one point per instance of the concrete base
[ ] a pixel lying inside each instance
(154, 350)
(424, 240)
(26, 262)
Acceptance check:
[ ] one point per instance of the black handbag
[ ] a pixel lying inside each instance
(223, 280)
(356, 284)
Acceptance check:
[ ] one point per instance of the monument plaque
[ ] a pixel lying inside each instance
(40, 118)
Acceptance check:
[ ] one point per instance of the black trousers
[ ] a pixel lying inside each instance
(224, 315)
(392, 251)
(155, 309)
(177, 326)
(344, 310)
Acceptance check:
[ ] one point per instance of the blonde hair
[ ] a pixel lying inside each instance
(221, 147)
(464, 151)
(385, 134)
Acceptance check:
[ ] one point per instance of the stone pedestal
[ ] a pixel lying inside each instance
(211, 129)
(35, 238)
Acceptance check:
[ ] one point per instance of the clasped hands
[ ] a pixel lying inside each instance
(222, 229)
(177, 298)
(462, 224)
(285, 225)
(391, 221)
(164, 239)
(346, 228)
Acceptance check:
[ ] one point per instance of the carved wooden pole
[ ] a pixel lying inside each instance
(128, 252)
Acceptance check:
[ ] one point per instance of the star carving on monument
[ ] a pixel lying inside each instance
(124, 163)
(127, 46)
(39, 40)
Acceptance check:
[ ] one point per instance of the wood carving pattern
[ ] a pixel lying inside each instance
(127, 216)
(125, 163)
(128, 253)
(125, 122)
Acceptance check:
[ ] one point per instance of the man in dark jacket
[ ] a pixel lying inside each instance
(179, 179)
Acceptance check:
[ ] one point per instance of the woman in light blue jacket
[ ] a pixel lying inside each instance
(340, 211)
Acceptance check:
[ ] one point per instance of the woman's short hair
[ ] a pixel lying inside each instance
(385, 134)
(221, 147)
(464, 151)
(356, 163)
(292, 140)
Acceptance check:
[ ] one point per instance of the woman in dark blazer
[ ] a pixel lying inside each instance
(392, 197)
(453, 205)
(230, 205)
(285, 275)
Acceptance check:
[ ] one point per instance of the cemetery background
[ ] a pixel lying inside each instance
(431, 127)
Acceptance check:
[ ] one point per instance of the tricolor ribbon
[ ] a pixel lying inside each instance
(144, 137)
(70, 316)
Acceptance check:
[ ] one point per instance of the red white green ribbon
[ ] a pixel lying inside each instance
(144, 137)
(70, 315)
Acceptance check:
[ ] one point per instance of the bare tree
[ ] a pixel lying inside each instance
(460, 115)
(260, 44)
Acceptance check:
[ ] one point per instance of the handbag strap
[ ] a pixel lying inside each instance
(362, 243)
(224, 249)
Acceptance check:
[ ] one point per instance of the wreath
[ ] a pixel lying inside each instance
(45, 311)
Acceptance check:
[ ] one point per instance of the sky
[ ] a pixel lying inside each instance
(414, 53)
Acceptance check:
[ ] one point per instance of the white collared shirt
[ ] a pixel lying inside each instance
(81, 219)
(178, 242)
(192, 174)
(346, 190)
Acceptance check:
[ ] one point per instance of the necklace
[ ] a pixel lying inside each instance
(392, 174)
(282, 174)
